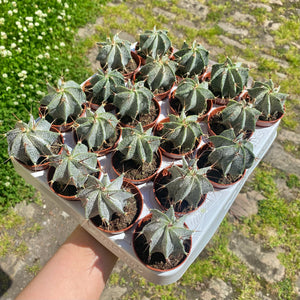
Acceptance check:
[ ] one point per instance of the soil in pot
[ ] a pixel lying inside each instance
(156, 260)
(133, 170)
(97, 100)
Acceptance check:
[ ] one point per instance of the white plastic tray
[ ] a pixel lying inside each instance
(204, 221)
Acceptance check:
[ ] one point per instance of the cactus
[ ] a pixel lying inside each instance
(182, 131)
(73, 166)
(30, 143)
(154, 42)
(193, 95)
(241, 116)
(96, 127)
(132, 100)
(114, 54)
(104, 197)
(191, 60)
(188, 183)
(102, 85)
(228, 79)
(64, 102)
(159, 73)
(268, 100)
(166, 234)
(138, 145)
(231, 154)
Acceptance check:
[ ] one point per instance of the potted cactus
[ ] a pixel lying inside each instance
(159, 75)
(100, 88)
(193, 97)
(113, 206)
(180, 135)
(68, 170)
(228, 80)
(161, 241)
(98, 130)
(269, 101)
(32, 143)
(191, 60)
(228, 155)
(62, 105)
(116, 54)
(136, 104)
(137, 155)
(182, 186)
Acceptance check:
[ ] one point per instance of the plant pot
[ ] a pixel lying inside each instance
(141, 118)
(164, 95)
(69, 189)
(165, 149)
(141, 250)
(102, 151)
(124, 167)
(65, 127)
(262, 123)
(215, 176)
(162, 198)
(131, 219)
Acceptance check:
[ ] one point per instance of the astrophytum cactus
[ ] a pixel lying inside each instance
(191, 60)
(228, 79)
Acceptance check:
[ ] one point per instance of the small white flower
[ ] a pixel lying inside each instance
(40, 56)
(8, 53)
(14, 4)
(59, 17)
(4, 53)
(43, 33)
(67, 29)
(62, 44)
(67, 70)
(3, 35)
(15, 11)
(45, 68)
(45, 73)
(4, 75)
(50, 29)
(19, 50)
(31, 86)
(59, 1)
(21, 84)
(8, 88)
(13, 45)
(2, 21)
(15, 102)
(69, 17)
(10, 13)
(47, 48)
(36, 24)
(2, 48)
(47, 55)
(20, 41)
(25, 29)
(30, 25)
(56, 47)
(66, 5)
(37, 64)
(29, 19)
(7, 177)
(7, 183)
(39, 13)
(40, 37)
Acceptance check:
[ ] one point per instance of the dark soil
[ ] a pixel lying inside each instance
(177, 106)
(64, 189)
(161, 192)
(120, 221)
(273, 117)
(156, 260)
(132, 169)
(145, 119)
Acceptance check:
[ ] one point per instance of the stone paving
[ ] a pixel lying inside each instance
(56, 225)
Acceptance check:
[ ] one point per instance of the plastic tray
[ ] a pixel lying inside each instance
(204, 221)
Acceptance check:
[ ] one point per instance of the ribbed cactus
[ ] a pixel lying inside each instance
(165, 234)
(228, 79)
(63, 102)
(191, 60)
(96, 127)
(154, 42)
(182, 131)
(231, 154)
(31, 143)
(114, 54)
(138, 145)
(268, 100)
(102, 85)
(73, 166)
(188, 183)
(193, 95)
(241, 116)
(133, 99)
(159, 73)
(104, 197)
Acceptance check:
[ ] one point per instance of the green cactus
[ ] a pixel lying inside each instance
(104, 197)
(73, 166)
(114, 54)
(268, 100)
(132, 100)
(182, 131)
(154, 42)
(241, 116)
(31, 143)
(193, 95)
(231, 154)
(228, 79)
(188, 183)
(165, 234)
(102, 86)
(96, 127)
(159, 73)
(64, 102)
(138, 145)
(191, 60)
